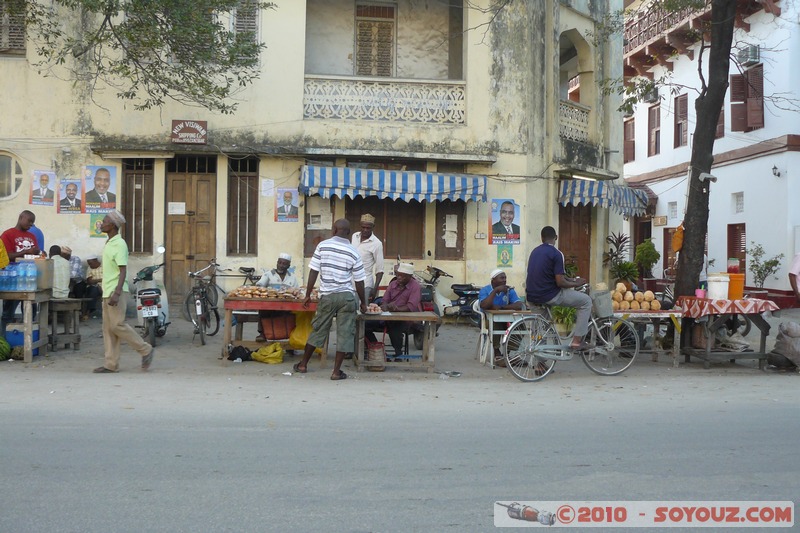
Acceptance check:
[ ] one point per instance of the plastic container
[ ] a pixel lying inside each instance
(718, 287)
(736, 286)
(15, 336)
(733, 265)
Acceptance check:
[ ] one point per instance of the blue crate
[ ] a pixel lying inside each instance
(15, 335)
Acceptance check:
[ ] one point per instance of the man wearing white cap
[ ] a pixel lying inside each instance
(498, 295)
(403, 295)
(279, 277)
(115, 300)
(370, 248)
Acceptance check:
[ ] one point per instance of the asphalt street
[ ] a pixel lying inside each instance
(195, 445)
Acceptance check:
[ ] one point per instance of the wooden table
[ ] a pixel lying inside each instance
(28, 298)
(717, 312)
(232, 305)
(427, 360)
(497, 316)
(656, 318)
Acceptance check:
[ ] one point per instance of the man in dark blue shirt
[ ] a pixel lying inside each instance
(547, 283)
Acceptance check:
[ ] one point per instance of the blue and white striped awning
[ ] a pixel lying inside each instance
(394, 184)
(624, 200)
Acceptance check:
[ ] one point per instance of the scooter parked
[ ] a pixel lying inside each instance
(153, 312)
(462, 306)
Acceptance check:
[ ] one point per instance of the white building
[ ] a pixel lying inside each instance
(756, 153)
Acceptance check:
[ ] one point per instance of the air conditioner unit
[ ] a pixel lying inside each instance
(749, 55)
(651, 97)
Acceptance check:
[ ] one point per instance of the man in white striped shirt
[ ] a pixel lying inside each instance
(337, 264)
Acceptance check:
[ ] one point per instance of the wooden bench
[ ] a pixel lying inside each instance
(70, 313)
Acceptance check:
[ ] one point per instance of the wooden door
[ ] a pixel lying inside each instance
(574, 236)
(191, 232)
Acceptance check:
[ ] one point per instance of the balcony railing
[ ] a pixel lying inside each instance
(646, 27)
(573, 121)
(397, 100)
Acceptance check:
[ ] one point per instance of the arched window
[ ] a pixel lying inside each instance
(10, 175)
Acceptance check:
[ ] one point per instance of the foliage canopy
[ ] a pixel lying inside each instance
(148, 51)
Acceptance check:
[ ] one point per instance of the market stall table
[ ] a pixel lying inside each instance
(717, 312)
(28, 298)
(234, 304)
(639, 318)
(429, 320)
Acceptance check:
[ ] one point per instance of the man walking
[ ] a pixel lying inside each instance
(337, 264)
(115, 299)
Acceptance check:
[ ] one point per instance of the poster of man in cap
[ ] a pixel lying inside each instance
(42, 192)
(286, 205)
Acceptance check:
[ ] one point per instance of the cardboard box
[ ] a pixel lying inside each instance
(44, 272)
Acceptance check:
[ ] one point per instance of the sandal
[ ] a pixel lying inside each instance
(341, 376)
(582, 347)
(296, 368)
(103, 370)
(261, 338)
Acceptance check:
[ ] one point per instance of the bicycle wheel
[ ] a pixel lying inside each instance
(212, 321)
(521, 344)
(212, 294)
(188, 304)
(617, 346)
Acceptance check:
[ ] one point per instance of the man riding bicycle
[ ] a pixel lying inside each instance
(548, 284)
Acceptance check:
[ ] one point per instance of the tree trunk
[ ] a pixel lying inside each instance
(707, 106)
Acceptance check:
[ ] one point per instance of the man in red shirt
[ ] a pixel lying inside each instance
(19, 241)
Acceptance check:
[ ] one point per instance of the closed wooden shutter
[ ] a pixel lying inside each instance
(12, 27)
(375, 28)
(755, 97)
(738, 88)
(246, 18)
(400, 225)
(137, 204)
(681, 120)
(654, 130)
(630, 141)
(737, 244)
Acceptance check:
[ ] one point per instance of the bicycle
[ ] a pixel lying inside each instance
(201, 303)
(212, 288)
(531, 346)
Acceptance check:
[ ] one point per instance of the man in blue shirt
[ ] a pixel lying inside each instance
(547, 283)
(498, 295)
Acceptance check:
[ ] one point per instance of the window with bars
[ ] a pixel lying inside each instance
(654, 130)
(737, 244)
(738, 202)
(375, 40)
(137, 205)
(630, 141)
(12, 27)
(720, 125)
(10, 175)
(242, 206)
(681, 120)
(747, 99)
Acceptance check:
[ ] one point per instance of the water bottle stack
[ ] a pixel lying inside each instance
(12, 277)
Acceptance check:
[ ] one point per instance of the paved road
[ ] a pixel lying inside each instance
(196, 446)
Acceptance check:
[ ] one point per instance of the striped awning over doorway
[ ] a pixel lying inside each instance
(394, 184)
(624, 200)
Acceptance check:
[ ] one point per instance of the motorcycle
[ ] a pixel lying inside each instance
(153, 312)
(462, 306)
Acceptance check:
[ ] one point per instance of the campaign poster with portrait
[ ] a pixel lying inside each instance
(42, 187)
(100, 184)
(95, 223)
(70, 197)
(286, 205)
(504, 222)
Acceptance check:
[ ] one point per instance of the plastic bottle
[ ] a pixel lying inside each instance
(12, 277)
(32, 274)
(3, 280)
(23, 277)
